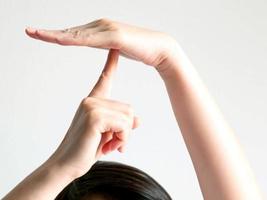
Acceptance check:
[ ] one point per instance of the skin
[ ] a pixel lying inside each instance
(222, 171)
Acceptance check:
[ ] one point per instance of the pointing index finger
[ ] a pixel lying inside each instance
(103, 86)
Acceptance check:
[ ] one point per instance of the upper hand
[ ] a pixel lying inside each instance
(150, 47)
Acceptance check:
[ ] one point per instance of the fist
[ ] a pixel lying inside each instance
(100, 126)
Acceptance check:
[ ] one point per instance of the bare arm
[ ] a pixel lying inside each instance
(44, 184)
(100, 126)
(222, 171)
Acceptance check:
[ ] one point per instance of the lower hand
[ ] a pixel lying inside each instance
(99, 126)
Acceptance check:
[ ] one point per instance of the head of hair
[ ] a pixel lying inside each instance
(114, 181)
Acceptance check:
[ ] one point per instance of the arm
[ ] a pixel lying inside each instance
(222, 171)
(44, 183)
(100, 126)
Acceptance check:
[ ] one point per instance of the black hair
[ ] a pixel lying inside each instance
(114, 181)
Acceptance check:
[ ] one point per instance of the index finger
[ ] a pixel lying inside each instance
(102, 87)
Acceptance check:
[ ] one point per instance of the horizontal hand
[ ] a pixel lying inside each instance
(147, 46)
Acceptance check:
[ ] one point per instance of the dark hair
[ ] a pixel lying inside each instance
(114, 181)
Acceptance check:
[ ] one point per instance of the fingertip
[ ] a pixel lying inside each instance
(111, 145)
(40, 32)
(105, 152)
(106, 149)
(115, 145)
(112, 60)
(30, 30)
(115, 52)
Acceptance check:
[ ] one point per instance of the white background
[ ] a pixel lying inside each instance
(42, 84)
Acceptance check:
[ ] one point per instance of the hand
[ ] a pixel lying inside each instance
(99, 126)
(150, 47)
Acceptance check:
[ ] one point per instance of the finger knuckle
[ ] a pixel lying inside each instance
(112, 26)
(66, 30)
(103, 21)
(95, 115)
(127, 124)
(76, 34)
(88, 103)
(116, 36)
(104, 75)
(129, 110)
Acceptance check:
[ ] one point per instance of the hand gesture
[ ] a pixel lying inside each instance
(150, 47)
(99, 126)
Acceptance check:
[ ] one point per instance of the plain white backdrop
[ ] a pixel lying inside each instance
(42, 84)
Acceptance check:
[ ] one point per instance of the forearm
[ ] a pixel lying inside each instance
(222, 171)
(43, 184)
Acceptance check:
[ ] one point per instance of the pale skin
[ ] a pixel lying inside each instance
(222, 170)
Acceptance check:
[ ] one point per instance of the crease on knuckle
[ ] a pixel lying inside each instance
(76, 34)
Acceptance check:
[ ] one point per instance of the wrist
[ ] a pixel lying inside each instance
(44, 183)
(56, 170)
(59, 167)
(175, 61)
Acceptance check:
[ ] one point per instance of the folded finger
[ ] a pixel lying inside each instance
(122, 148)
(136, 122)
(113, 144)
